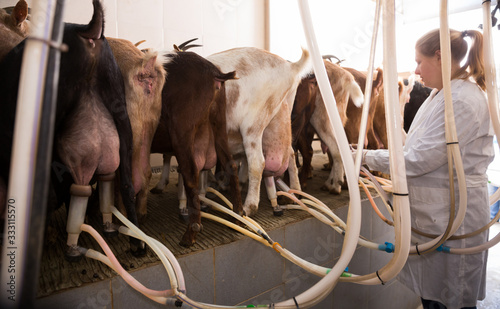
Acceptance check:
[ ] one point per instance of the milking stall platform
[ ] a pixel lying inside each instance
(224, 267)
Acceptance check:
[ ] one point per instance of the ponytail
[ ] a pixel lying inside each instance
(475, 62)
(474, 65)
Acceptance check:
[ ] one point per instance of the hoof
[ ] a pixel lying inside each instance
(110, 234)
(333, 189)
(187, 241)
(278, 211)
(204, 207)
(184, 218)
(186, 244)
(184, 215)
(250, 210)
(73, 254)
(140, 251)
(156, 191)
(336, 189)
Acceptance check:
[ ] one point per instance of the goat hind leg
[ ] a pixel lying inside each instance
(165, 172)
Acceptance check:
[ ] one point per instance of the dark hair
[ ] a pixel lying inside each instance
(429, 43)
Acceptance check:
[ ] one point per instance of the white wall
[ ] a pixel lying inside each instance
(344, 28)
(219, 24)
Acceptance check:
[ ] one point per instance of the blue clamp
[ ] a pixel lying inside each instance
(388, 247)
(443, 249)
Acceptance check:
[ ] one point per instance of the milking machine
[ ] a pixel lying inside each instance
(106, 200)
(398, 209)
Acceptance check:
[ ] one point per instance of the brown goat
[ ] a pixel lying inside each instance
(310, 113)
(353, 123)
(144, 77)
(376, 130)
(193, 128)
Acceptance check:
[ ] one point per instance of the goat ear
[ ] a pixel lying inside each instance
(378, 81)
(20, 12)
(312, 82)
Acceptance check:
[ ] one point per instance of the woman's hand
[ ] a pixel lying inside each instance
(354, 151)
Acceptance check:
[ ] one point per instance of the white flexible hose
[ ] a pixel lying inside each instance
(154, 247)
(321, 289)
(368, 92)
(397, 163)
(402, 226)
(492, 92)
(219, 207)
(104, 259)
(489, 67)
(450, 129)
(337, 224)
(473, 250)
(170, 256)
(490, 79)
(110, 260)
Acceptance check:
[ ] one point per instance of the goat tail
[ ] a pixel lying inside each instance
(356, 94)
(303, 66)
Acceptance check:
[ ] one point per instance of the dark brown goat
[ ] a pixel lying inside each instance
(93, 135)
(193, 127)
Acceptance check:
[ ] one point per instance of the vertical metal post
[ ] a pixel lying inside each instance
(22, 242)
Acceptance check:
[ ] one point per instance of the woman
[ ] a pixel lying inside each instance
(442, 279)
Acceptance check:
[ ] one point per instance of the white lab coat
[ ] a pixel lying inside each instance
(454, 280)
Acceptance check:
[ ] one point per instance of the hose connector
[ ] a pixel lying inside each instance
(443, 249)
(387, 247)
(264, 235)
(344, 273)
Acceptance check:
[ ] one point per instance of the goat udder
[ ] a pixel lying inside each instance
(275, 165)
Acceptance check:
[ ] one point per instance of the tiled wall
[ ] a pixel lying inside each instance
(246, 272)
(219, 24)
